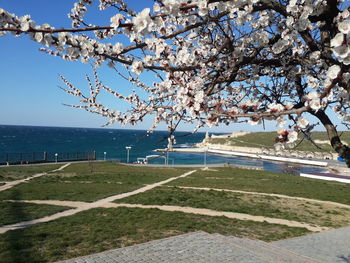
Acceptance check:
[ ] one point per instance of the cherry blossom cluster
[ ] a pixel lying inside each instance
(213, 61)
(78, 12)
(341, 41)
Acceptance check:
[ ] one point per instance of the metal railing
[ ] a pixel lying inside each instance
(45, 157)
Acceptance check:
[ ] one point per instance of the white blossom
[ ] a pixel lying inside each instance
(302, 122)
(333, 71)
(38, 37)
(344, 26)
(337, 40)
(313, 100)
(292, 136)
(115, 20)
(142, 20)
(213, 62)
(117, 47)
(137, 67)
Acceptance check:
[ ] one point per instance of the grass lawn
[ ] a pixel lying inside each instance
(12, 212)
(312, 213)
(10, 173)
(89, 182)
(267, 182)
(101, 229)
(267, 139)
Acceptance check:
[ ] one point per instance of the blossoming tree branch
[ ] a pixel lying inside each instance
(213, 61)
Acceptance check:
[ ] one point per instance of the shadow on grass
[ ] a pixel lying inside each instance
(18, 247)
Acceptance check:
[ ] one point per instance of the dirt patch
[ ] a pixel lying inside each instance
(89, 182)
(64, 175)
(208, 169)
(222, 178)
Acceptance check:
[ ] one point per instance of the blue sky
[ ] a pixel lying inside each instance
(29, 78)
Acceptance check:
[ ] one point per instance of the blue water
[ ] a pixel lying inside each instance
(28, 139)
(278, 167)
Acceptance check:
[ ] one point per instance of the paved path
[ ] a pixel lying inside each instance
(232, 215)
(86, 206)
(81, 206)
(11, 184)
(329, 246)
(198, 247)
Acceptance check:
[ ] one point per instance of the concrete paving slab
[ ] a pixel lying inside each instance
(197, 247)
(331, 246)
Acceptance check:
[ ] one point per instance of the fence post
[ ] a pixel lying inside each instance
(94, 155)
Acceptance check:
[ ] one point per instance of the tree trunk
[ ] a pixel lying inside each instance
(338, 146)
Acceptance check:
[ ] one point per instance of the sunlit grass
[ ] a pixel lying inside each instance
(89, 182)
(268, 182)
(101, 229)
(10, 173)
(13, 212)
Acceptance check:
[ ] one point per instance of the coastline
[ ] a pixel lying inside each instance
(246, 154)
(334, 167)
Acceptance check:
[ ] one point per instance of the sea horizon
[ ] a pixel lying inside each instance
(110, 144)
(104, 128)
(29, 139)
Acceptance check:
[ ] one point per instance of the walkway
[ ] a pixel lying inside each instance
(328, 246)
(200, 247)
(81, 206)
(86, 206)
(11, 184)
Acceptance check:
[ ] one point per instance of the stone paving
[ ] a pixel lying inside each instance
(329, 246)
(199, 247)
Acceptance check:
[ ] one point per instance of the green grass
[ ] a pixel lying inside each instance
(83, 182)
(244, 203)
(10, 173)
(101, 229)
(268, 182)
(13, 212)
(267, 139)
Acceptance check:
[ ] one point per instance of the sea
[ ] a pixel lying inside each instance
(110, 144)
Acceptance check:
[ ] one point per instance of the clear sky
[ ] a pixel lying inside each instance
(29, 78)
